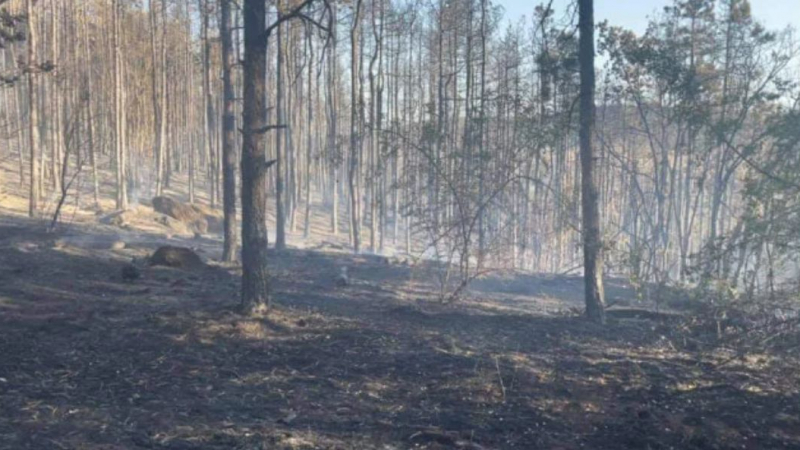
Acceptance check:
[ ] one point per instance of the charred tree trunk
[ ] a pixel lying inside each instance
(255, 279)
(592, 245)
(230, 243)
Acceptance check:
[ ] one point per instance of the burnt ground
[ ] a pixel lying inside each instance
(90, 361)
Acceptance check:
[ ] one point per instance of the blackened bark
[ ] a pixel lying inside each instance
(592, 245)
(255, 281)
(228, 137)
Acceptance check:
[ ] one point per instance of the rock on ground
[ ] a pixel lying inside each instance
(178, 257)
(200, 218)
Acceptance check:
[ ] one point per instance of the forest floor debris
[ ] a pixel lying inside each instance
(90, 361)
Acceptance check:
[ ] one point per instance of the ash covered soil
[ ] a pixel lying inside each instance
(92, 360)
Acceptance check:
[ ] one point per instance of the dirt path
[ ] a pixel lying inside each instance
(88, 361)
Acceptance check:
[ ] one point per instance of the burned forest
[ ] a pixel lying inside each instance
(399, 224)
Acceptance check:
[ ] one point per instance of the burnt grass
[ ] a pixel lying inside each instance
(91, 361)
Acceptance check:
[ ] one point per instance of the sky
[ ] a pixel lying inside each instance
(633, 14)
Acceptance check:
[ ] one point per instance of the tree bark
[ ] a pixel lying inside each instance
(352, 173)
(309, 120)
(33, 105)
(255, 277)
(230, 244)
(333, 112)
(119, 112)
(208, 149)
(280, 215)
(592, 245)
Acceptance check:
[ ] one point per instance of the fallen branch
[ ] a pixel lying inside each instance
(500, 377)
